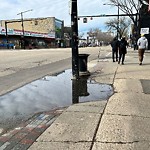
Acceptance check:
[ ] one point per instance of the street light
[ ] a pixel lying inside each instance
(21, 13)
(117, 18)
(118, 24)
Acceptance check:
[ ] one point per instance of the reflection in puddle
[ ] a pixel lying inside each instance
(49, 93)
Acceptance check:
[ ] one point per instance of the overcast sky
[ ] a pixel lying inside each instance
(59, 9)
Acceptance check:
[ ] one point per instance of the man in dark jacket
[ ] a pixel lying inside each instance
(115, 46)
(122, 50)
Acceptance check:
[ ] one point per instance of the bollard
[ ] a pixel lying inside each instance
(83, 65)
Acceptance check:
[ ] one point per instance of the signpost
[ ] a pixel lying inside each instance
(144, 31)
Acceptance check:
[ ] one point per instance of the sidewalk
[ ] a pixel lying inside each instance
(120, 123)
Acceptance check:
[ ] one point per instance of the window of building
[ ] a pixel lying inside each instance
(36, 22)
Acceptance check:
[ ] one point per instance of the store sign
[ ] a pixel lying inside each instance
(144, 31)
(26, 33)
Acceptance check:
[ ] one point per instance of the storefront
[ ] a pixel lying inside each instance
(15, 39)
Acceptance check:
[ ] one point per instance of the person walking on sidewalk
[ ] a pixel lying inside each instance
(142, 45)
(115, 45)
(122, 50)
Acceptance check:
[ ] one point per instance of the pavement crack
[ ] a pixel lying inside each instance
(96, 129)
(126, 115)
(115, 75)
(64, 141)
(120, 142)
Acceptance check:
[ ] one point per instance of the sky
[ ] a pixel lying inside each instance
(58, 9)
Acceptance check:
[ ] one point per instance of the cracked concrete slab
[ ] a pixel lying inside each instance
(123, 129)
(133, 72)
(135, 104)
(99, 103)
(95, 107)
(60, 146)
(122, 146)
(127, 85)
(68, 126)
(107, 74)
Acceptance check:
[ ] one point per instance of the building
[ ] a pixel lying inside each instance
(143, 24)
(144, 20)
(32, 32)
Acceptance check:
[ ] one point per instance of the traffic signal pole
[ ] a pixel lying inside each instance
(74, 27)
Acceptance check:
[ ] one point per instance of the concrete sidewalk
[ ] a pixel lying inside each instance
(118, 123)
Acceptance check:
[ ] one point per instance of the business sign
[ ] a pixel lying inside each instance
(144, 31)
(26, 33)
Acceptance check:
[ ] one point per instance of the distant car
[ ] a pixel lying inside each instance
(5, 45)
(82, 45)
(92, 45)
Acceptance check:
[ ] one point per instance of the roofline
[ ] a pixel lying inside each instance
(28, 19)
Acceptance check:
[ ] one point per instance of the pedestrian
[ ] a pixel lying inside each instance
(122, 50)
(142, 46)
(115, 46)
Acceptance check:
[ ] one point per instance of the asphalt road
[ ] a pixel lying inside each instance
(18, 67)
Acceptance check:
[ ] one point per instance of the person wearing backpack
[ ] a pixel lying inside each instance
(142, 45)
(122, 50)
(115, 45)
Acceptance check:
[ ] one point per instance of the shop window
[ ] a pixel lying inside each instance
(36, 22)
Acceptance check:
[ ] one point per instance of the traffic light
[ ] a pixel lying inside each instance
(84, 20)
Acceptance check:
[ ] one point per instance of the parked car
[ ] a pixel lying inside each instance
(7, 45)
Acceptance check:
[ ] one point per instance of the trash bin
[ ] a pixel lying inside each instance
(83, 65)
(83, 90)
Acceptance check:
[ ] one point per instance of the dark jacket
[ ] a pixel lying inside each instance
(115, 45)
(123, 46)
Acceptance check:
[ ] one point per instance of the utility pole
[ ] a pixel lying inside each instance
(118, 35)
(7, 42)
(74, 27)
(21, 13)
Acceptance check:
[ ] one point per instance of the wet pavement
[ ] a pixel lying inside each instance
(24, 135)
(48, 93)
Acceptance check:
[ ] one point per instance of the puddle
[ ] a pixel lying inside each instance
(49, 93)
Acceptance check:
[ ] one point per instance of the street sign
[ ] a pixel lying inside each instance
(144, 31)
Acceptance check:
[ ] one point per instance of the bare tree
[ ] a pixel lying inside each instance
(81, 35)
(97, 34)
(129, 7)
(112, 25)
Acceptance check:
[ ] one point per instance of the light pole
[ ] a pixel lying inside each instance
(74, 27)
(21, 13)
(118, 35)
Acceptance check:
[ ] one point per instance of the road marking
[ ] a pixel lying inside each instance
(108, 54)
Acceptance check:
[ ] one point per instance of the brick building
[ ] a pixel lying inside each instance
(36, 32)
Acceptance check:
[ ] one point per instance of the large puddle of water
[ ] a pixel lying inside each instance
(49, 93)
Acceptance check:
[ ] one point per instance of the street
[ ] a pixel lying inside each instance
(18, 67)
